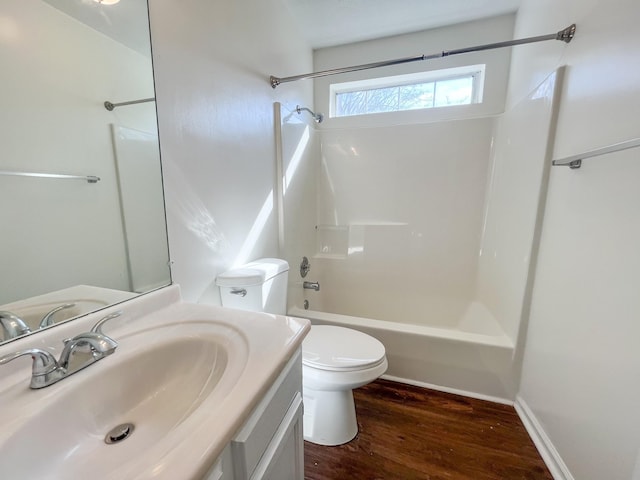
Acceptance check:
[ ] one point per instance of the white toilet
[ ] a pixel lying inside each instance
(335, 360)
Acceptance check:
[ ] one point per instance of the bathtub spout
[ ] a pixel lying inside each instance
(311, 286)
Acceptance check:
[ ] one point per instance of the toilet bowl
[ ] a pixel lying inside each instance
(335, 360)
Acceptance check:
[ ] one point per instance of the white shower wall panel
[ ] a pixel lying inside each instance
(399, 217)
(519, 178)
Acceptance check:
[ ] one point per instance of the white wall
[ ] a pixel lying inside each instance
(56, 74)
(581, 364)
(212, 63)
(426, 42)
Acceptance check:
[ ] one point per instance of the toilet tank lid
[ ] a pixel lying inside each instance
(253, 273)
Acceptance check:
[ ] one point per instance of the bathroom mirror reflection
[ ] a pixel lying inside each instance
(90, 232)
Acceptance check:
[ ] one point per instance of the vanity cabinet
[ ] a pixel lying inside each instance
(269, 446)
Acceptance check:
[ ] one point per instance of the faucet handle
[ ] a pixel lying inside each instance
(43, 361)
(45, 370)
(97, 328)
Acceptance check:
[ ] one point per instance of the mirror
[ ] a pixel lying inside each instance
(83, 212)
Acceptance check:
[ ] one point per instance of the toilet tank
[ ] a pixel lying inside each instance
(259, 286)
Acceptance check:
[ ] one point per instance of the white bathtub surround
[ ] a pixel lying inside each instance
(400, 216)
(410, 276)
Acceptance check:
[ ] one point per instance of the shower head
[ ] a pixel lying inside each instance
(318, 117)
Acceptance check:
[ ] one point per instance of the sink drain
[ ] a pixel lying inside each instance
(119, 433)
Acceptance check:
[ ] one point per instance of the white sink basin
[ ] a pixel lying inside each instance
(155, 380)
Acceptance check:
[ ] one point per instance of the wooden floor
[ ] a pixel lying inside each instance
(408, 433)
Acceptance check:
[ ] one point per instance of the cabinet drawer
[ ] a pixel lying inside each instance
(255, 436)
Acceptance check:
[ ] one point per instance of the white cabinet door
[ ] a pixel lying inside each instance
(270, 443)
(284, 457)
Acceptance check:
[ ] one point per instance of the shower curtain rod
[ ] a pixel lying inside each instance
(565, 35)
(110, 106)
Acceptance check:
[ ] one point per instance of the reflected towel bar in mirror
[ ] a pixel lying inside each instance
(110, 106)
(88, 178)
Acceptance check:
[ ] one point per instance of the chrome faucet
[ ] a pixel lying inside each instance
(12, 325)
(47, 320)
(44, 370)
(311, 286)
(78, 352)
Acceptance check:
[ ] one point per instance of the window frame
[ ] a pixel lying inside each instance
(476, 72)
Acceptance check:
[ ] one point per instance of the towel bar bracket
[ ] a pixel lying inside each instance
(575, 164)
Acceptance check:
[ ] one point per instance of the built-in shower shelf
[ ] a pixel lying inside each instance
(330, 256)
(378, 224)
(332, 241)
(338, 242)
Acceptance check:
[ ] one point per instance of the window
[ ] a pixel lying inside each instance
(440, 88)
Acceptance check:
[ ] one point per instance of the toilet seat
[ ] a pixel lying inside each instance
(340, 349)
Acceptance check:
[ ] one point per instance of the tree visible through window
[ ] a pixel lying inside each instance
(436, 92)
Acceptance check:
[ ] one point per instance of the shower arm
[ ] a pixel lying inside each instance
(318, 117)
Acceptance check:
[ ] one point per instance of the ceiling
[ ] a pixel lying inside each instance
(327, 23)
(125, 22)
(324, 23)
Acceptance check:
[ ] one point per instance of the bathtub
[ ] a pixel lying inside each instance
(473, 357)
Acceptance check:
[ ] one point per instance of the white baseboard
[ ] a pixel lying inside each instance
(543, 443)
(455, 391)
